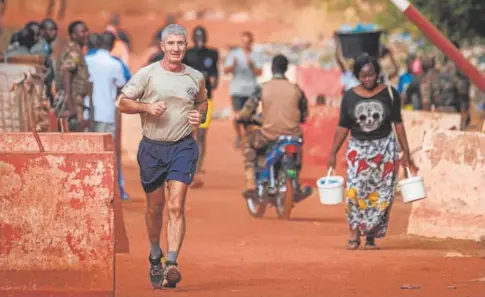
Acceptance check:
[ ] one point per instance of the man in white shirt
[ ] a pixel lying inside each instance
(107, 77)
(106, 74)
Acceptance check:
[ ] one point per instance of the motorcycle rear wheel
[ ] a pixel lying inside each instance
(284, 202)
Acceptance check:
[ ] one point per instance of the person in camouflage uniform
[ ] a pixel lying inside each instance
(31, 90)
(448, 90)
(454, 93)
(72, 79)
(428, 82)
(48, 30)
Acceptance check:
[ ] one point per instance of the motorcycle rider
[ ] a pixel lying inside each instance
(285, 107)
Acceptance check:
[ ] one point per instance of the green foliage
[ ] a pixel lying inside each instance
(460, 20)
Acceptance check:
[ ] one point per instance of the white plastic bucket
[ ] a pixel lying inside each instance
(412, 188)
(331, 189)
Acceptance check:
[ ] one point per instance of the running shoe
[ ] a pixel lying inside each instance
(171, 275)
(156, 272)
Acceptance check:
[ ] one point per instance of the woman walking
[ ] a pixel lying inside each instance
(369, 111)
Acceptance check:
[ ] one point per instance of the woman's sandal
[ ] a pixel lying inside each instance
(353, 244)
(370, 244)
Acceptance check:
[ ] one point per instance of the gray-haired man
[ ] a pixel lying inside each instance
(171, 100)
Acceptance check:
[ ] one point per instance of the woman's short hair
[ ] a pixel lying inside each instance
(361, 61)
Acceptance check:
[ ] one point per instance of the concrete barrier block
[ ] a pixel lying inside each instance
(418, 122)
(71, 142)
(57, 223)
(57, 142)
(453, 168)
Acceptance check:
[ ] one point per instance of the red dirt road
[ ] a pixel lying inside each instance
(227, 253)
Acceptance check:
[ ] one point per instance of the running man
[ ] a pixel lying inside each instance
(245, 66)
(172, 101)
(205, 60)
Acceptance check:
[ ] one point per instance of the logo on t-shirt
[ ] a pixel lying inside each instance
(208, 62)
(369, 115)
(191, 92)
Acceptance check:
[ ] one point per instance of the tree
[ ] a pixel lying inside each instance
(460, 20)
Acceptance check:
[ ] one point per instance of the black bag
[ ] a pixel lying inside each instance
(360, 43)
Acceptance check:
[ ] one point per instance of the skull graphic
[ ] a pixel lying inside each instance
(369, 115)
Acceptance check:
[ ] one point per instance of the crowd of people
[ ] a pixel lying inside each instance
(427, 85)
(82, 82)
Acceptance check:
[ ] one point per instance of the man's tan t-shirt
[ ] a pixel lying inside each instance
(179, 90)
(281, 111)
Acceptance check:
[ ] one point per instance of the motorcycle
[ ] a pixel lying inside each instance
(277, 176)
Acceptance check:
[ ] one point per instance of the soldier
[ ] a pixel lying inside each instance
(428, 83)
(72, 79)
(35, 26)
(454, 92)
(31, 89)
(48, 33)
(450, 91)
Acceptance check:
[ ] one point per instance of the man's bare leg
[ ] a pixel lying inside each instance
(177, 192)
(153, 221)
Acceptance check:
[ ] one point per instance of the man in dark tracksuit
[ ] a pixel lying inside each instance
(205, 60)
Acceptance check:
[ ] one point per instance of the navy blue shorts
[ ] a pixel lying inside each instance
(161, 161)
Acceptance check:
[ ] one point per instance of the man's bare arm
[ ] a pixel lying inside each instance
(130, 106)
(202, 109)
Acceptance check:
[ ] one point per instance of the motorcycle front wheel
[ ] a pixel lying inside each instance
(256, 207)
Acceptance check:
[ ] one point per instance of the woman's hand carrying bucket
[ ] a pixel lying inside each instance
(412, 188)
(331, 189)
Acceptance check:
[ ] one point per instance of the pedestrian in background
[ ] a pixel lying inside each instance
(245, 65)
(106, 74)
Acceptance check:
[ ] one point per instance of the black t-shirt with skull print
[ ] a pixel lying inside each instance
(370, 118)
